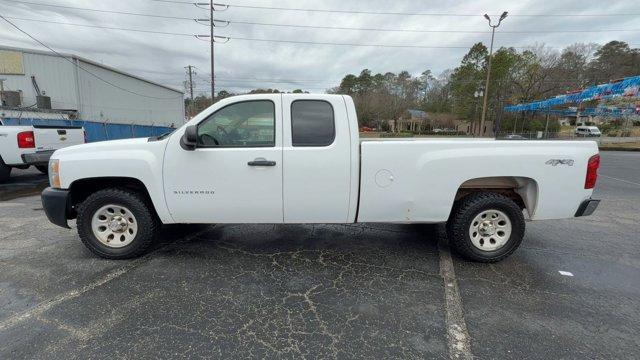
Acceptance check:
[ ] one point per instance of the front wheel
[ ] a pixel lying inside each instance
(5, 171)
(486, 227)
(116, 224)
(43, 169)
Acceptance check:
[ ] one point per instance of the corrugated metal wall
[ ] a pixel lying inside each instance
(96, 100)
(102, 102)
(55, 76)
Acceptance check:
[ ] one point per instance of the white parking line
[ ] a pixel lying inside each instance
(458, 339)
(72, 294)
(624, 181)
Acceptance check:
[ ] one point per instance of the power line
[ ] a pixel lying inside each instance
(100, 27)
(418, 30)
(276, 80)
(294, 25)
(228, 38)
(226, 6)
(315, 27)
(260, 40)
(411, 13)
(208, 78)
(100, 10)
(83, 69)
(175, 2)
(292, 82)
(341, 11)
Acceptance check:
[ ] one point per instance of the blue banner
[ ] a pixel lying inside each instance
(627, 87)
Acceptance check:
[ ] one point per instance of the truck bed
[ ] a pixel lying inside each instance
(416, 179)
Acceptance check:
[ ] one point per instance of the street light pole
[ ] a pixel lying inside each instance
(486, 87)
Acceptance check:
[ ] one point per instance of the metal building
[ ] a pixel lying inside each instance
(101, 94)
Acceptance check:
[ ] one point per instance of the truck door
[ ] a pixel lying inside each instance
(234, 175)
(317, 159)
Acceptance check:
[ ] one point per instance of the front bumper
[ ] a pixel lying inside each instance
(57, 206)
(587, 207)
(37, 158)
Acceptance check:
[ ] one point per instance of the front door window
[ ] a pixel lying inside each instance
(244, 124)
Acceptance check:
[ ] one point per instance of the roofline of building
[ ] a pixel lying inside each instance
(91, 62)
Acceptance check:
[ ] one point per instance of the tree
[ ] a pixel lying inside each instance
(467, 79)
(517, 76)
(614, 60)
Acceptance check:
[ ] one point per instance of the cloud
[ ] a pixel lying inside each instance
(286, 66)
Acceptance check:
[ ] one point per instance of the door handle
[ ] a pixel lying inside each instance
(261, 162)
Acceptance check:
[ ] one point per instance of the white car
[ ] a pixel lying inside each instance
(588, 131)
(297, 158)
(24, 146)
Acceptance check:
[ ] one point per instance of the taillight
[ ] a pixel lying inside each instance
(592, 172)
(26, 140)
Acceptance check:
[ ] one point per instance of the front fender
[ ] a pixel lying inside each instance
(138, 160)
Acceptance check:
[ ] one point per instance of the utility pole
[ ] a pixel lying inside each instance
(212, 39)
(486, 87)
(190, 83)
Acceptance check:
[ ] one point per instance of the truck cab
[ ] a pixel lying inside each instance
(269, 159)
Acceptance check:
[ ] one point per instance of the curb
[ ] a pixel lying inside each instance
(617, 148)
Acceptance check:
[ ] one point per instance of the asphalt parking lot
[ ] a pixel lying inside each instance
(327, 291)
(23, 183)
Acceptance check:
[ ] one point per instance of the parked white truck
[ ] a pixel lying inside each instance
(24, 146)
(297, 158)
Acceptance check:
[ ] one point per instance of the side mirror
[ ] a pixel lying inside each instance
(190, 138)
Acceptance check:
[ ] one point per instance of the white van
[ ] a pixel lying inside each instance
(588, 131)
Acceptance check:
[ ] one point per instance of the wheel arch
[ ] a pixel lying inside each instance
(80, 189)
(522, 190)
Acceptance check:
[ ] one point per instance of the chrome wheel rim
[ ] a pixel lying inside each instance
(490, 230)
(114, 226)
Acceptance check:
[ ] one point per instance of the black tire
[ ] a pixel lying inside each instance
(464, 212)
(147, 223)
(5, 171)
(43, 169)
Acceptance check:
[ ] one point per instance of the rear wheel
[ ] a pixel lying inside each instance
(43, 169)
(5, 171)
(116, 224)
(486, 227)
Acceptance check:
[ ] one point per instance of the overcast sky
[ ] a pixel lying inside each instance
(162, 58)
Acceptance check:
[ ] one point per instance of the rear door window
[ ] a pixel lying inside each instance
(312, 123)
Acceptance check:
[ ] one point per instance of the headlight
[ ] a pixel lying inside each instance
(54, 173)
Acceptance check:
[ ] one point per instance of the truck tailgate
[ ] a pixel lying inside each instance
(53, 138)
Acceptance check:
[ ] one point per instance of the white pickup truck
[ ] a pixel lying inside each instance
(291, 158)
(24, 146)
